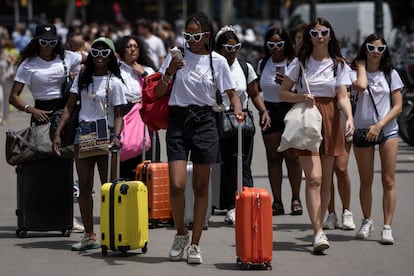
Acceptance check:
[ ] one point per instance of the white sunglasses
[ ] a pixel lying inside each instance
(196, 37)
(96, 52)
(316, 33)
(274, 45)
(230, 47)
(51, 43)
(380, 48)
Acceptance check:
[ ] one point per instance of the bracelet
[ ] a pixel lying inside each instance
(168, 74)
(165, 82)
(26, 107)
(263, 111)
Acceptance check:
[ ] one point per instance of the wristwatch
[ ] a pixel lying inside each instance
(144, 74)
(118, 136)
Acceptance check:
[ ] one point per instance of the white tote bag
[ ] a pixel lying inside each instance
(303, 125)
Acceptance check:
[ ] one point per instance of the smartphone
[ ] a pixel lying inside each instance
(280, 72)
(102, 129)
(175, 52)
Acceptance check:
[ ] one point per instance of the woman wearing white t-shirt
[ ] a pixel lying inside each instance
(42, 69)
(373, 64)
(102, 96)
(228, 44)
(279, 52)
(328, 78)
(192, 125)
(135, 64)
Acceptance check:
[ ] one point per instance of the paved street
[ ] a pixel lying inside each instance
(49, 254)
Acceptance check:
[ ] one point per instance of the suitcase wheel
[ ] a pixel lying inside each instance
(153, 224)
(66, 232)
(145, 248)
(21, 233)
(124, 253)
(104, 251)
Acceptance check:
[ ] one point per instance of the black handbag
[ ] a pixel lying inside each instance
(69, 131)
(228, 124)
(359, 138)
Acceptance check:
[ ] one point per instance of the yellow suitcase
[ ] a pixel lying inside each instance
(124, 216)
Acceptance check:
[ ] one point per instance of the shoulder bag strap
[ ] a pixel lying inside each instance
(305, 78)
(372, 100)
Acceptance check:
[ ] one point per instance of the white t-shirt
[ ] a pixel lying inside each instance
(194, 85)
(44, 78)
(240, 81)
(268, 85)
(320, 75)
(156, 49)
(132, 81)
(93, 98)
(365, 115)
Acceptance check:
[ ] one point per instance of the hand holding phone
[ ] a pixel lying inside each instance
(176, 53)
(280, 74)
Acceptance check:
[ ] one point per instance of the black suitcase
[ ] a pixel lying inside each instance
(45, 196)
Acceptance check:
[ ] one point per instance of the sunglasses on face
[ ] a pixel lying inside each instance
(380, 48)
(45, 43)
(129, 46)
(316, 33)
(103, 52)
(230, 48)
(274, 45)
(196, 37)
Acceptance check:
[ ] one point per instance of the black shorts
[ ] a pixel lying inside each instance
(194, 129)
(277, 112)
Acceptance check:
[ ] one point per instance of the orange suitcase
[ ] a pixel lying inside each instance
(254, 228)
(156, 178)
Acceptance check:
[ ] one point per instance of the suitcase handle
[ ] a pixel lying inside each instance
(239, 157)
(113, 150)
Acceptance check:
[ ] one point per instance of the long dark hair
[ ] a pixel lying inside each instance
(143, 57)
(334, 48)
(289, 51)
(32, 49)
(385, 62)
(85, 77)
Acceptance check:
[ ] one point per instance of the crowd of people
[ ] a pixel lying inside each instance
(102, 59)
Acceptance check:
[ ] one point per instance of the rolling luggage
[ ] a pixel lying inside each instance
(189, 201)
(124, 214)
(156, 177)
(45, 196)
(254, 229)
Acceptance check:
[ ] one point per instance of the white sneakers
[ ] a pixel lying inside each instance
(77, 226)
(230, 216)
(386, 235)
(320, 242)
(194, 255)
(347, 220)
(331, 221)
(366, 229)
(178, 247)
